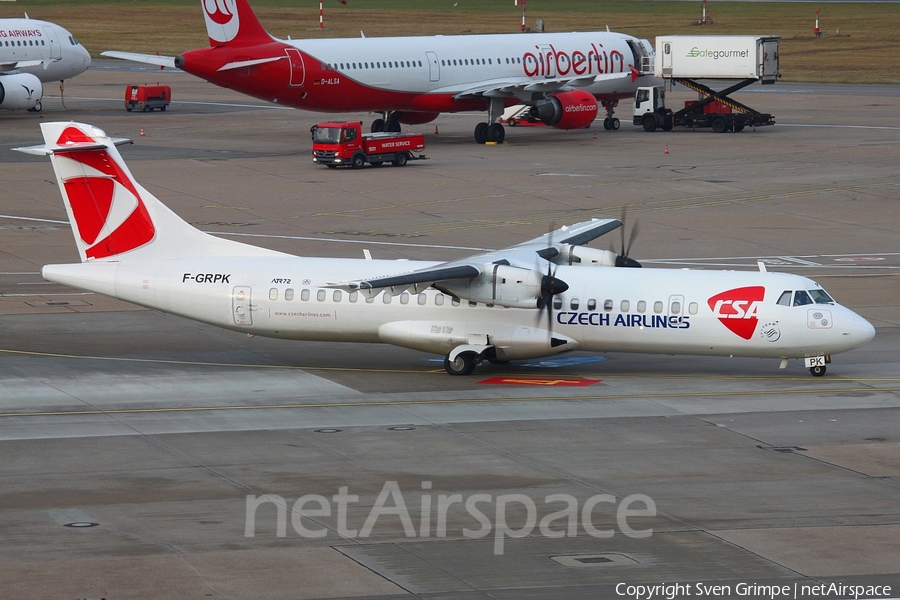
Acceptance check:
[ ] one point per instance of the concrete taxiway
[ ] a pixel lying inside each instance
(132, 439)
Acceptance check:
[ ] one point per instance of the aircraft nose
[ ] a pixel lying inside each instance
(861, 331)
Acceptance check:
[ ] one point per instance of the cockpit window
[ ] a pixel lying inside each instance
(801, 298)
(820, 297)
(785, 298)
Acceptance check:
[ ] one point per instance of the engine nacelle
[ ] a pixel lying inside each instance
(21, 91)
(568, 110)
(584, 256)
(513, 287)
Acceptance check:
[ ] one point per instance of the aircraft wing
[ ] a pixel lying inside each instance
(150, 59)
(516, 86)
(523, 255)
(19, 64)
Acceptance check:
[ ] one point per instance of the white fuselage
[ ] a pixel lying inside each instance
(31, 40)
(605, 309)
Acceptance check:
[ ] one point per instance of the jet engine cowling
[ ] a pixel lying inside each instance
(20, 91)
(575, 109)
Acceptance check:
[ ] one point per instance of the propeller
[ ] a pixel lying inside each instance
(622, 259)
(550, 284)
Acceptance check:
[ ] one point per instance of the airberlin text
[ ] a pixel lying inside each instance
(206, 277)
(547, 61)
(596, 319)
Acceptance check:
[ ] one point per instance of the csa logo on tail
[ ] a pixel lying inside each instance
(737, 309)
(104, 200)
(222, 20)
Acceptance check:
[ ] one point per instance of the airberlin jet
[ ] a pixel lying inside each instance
(561, 76)
(33, 52)
(546, 296)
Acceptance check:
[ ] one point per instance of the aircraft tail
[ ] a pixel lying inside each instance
(232, 23)
(113, 217)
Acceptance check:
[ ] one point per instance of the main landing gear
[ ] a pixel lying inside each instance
(390, 122)
(492, 131)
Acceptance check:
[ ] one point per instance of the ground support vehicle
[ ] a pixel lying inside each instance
(715, 110)
(691, 60)
(147, 97)
(340, 143)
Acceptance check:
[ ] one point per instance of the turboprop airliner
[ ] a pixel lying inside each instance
(546, 296)
(561, 76)
(32, 53)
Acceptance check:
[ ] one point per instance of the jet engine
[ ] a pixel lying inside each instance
(576, 109)
(21, 91)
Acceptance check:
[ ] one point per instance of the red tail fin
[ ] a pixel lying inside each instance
(232, 23)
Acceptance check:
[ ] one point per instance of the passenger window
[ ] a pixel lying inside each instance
(422, 299)
(801, 298)
(387, 298)
(676, 308)
(785, 298)
(304, 295)
(353, 296)
(289, 294)
(454, 301)
(473, 304)
(626, 305)
(370, 299)
(658, 306)
(573, 305)
(592, 305)
(692, 308)
(439, 300)
(336, 296)
(641, 306)
(320, 295)
(607, 305)
(404, 298)
(273, 294)
(557, 303)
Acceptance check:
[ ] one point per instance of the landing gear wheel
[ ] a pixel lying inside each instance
(392, 125)
(464, 364)
(817, 371)
(606, 124)
(358, 162)
(719, 125)
(496, 133)
(400, 160)
(614, 123)
(377, 125)
(481, 133)
(38, 107)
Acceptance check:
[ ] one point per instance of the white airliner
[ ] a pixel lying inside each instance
(549, 295)
(562, 76)
(34, 52)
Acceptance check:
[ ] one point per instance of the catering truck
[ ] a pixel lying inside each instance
(687, 60)
(343, 143)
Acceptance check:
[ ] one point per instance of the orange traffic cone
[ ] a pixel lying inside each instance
(667, 149)
(436, 132)
(142, 132)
